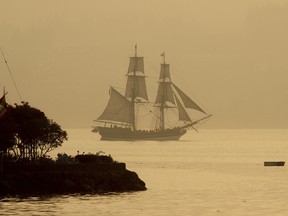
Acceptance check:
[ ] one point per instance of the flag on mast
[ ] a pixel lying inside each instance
(136, 49)
(3, 105)
(163, 55)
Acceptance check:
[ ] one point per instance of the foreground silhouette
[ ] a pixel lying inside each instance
(81, 174)
(27, 135)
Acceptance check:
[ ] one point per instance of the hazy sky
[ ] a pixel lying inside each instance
(231, 56)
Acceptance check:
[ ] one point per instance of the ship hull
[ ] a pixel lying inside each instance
(126, 134)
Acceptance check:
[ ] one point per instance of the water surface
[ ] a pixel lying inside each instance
(215, 172)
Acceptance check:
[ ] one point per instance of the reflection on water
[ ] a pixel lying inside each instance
(30, 206)
(216, 172)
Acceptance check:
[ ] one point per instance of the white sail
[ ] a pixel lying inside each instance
(140, 87)
(188, 102)
(183, 115)
(136, 65)
(118, 108)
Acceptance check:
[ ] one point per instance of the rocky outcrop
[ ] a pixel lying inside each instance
(68, 178)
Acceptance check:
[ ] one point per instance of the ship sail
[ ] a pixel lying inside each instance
(165, 73)
(136, 64)
(136, 86)
(118, 108)
(165, 92)
(124, 117)
(166, 97)
(188, 103)
(183, 115)
(140, 87)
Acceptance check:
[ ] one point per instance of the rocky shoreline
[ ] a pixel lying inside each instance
(49, 179)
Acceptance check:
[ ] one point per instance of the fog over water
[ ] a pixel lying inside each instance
(230, 56)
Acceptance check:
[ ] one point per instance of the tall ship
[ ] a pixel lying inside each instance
(121, 118)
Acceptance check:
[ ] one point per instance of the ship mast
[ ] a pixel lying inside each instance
(165, 96)
(162, 107)
(134, 92)
(135, 87)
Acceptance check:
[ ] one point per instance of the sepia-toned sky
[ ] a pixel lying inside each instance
(230, 56)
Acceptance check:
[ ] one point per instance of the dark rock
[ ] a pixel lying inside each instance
(69, 184)
(85, 188)
(68, 178)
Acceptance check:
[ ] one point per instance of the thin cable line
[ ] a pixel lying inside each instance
(5, 60)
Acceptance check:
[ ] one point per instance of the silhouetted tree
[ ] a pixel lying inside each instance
(31, 135)
(7, 131)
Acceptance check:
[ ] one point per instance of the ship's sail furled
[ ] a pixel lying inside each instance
(118, 108)
(136, 86)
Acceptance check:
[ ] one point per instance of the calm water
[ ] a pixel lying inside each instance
(215, 172)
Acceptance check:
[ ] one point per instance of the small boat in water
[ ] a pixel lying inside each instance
(274, 163)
